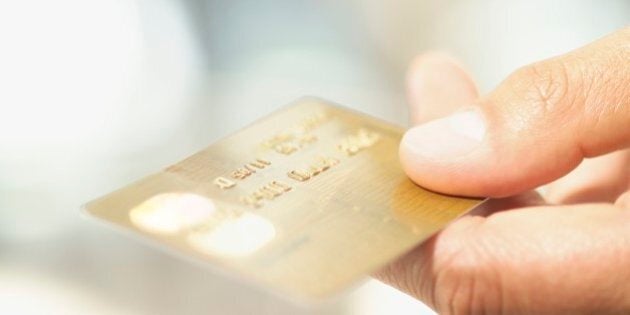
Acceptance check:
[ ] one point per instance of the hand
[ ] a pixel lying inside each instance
(566, 254)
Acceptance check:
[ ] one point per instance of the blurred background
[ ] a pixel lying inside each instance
(95, 94)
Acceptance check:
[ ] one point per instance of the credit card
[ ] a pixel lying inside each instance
(306, 201)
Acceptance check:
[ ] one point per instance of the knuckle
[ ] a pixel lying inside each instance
(454, 295)
(456, 287)
(467, 281)
(546, 86)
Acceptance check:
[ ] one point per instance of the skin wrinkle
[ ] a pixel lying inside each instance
(412, 282)
(417, 273)
(598, 112)
(587, 88)
(500, 293)
(439, 275)
(433, 278)
(497, 279)
(449, 305)
(495, 261)
(606, 74)
(568, 260)
(625, 99)
(470, 254)
(594, 103)
(551, 76)
(419, 281)
(473, 304)
(461, 302)
(442, 273)
(483, 260)
(469, 303)
(409, 282)
(550, 80)
(432, 281)
(621, 89)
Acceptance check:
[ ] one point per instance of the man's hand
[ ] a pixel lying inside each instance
(540, 256)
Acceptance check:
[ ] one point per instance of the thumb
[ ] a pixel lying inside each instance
(535, 127)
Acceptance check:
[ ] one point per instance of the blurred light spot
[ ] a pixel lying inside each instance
(235, 237)
(170, 212)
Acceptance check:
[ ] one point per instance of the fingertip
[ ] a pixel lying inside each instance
(446, 138)
(464, 154)
(435, 154)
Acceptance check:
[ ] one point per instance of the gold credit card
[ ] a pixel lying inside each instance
(306, 201)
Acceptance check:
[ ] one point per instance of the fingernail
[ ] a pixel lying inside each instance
(448, 137)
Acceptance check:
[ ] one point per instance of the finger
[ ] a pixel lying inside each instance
(624, 200)
(601, 179)
(437, 86)
(492, 206)
(576, 254)
(399, 273)
(535, 127)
